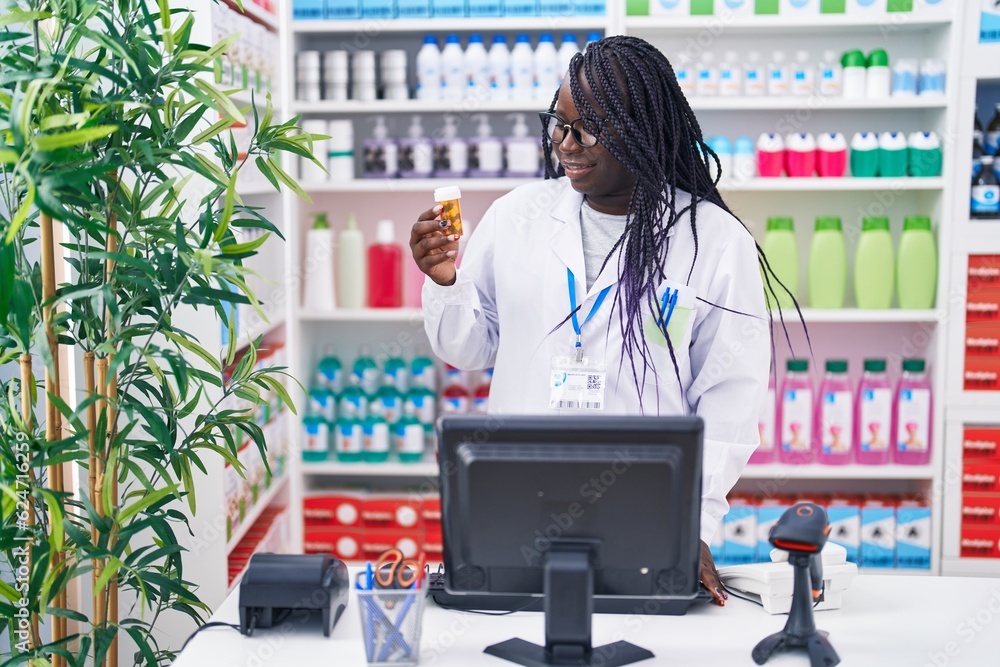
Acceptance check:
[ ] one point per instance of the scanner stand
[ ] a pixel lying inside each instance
(800, 629)
(569, 603)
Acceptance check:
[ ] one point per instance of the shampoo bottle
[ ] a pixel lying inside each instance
(770, 155)
(381, 152)
(754, 76)
(385, 269)
(485, 151)
(795, 414)
(835, 416)
(499, 59)
(450, 151)
(351, 272)
(873, 416)
(864, 155)
(827, 275)
(547, 76)
(522, 150)
(924, 152)
(831, 155)
(319, 289)
(429, 70)
(476, 64)
(873, 265)
(912, 422)
(782, 253)
(416, 152)
(916, 265)
(800, 155)
(453, 81)
(522, 69)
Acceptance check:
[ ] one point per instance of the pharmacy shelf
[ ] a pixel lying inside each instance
(857, 316)
(894, 571)
(852, 471)
(399, 315)
(257, 13)
(766, 26)
(388, 185)
(438, 26)
(816, 103)
(970, 567)
(426, 468)
(467, 106)
(262, 504)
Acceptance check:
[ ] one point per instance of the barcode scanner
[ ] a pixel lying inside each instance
(802, 531)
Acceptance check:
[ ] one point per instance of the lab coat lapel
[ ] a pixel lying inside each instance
(567, 240)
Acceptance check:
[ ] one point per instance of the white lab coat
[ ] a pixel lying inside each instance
(512, 291)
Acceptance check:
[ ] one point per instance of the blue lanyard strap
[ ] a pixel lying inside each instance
(667, 303)
(577, 327)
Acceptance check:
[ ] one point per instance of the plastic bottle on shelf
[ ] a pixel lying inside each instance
(892, 155)
(455, 392)
(766, 428)
(795, 414)
(429, 70)
(388, 403)
(827, 268)
(724, 151)
(831, 155)
(416, 152)
(409, 437)
(831, 75)
(351, 272)
(933, 77)
(591, 38)
(874, 265)
(803, 78)
(365, 372)
(782, 252)
(924, 156)
(744, 160)
(835, 416)
(330, 371)
(385, 269)
(352, 400)
(777, 75)
(855, 73)
(451, 152)
(481, 393)
(985, 190)
(905, 76)
(323, 403)
(476, 65)
(685, 74)
(916, 264)
(800, 155)
(375, 439)
(522, 69)
(499, 63)
(423, 371)
(349, 438)
(567, 50)
(453, 69)
(381, 154)
(873, 414)
(485, 150)
(912, 419)
(707, 76)
(396, 373)
(992, 136)
(320, 294)
(770, 155)
(879, 76)
(316, 438)
(423, 403)
(978, 137)
(754, 76)
(547, 76)
(730, 75)
(521, 149)
(864, 155)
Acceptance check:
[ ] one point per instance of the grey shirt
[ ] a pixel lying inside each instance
(600, 232)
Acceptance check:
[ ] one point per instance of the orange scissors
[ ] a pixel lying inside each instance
(394, 570)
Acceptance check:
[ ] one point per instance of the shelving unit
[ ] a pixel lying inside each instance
(856, 472)
(439, 25)
(782, 25)
(277, 488)
(403, 471)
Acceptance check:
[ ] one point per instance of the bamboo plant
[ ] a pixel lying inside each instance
(117, 159)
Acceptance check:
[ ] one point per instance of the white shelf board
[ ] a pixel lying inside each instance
(852, 471)
(251, 517)
(442, 25)
(387, 185)
(402, 315)
(970, 567)
(770, 25)
(468, 106)
(425, 468)
(894, 571)
(857, 316)
(256, 190)
(815, 103)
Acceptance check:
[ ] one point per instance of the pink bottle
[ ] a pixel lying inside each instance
(800, 155)
(831, 155)
(385, 269)
(765, 425)
(873, 415)
(795, 414)
(770, 155)
(911, 425)
(835, 416)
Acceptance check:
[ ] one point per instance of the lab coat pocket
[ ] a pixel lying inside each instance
(678, 304)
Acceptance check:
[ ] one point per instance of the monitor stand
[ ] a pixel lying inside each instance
(569, 603)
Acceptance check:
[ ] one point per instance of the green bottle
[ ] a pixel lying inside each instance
(702, 7)
(352, 400)
(409, 437)
(782, 253)
(916, 268)
(316, 440)
(388, 404)
(323, 403)
(873, 265)
(421, 402)
(376, 439)
(349, 437)
(365, 371)
(827, 274)
(423, 372)
(330, 372)
(396, 374)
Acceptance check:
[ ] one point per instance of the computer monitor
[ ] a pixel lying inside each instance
(568, 508)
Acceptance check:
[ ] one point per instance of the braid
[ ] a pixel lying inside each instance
(657, 139)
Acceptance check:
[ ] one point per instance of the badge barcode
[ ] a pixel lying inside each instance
(594, 382)
(587, 405)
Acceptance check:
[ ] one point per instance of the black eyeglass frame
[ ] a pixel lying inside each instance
(546, 116)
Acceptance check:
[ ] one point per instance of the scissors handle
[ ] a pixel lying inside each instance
(393, 570)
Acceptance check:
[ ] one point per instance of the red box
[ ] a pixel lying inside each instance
(981, 509)
(980, 542)
(392, 511)
(981, 477)
(981, 443)
(433, 545)
(431, 513)
(982, 305)
(980, 342)
(982, 373)
(376, 541)
(984, 270)
(333, 509)
(344, 543)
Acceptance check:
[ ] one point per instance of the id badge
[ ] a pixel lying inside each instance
(577, 385)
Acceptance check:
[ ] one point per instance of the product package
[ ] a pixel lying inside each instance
(343, 9)
(981, 443)
(413, 9)
(740, 532)
(768, 513)
(392, 510)
(327, 509)
(308, 10)
(844, 515)
(878, 534)
(913, 535)
(448, 8)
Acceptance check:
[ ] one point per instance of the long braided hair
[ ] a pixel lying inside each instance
(658, 140)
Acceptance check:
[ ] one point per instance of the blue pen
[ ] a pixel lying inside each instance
(395, 634)
(368, 605)
(667, 304)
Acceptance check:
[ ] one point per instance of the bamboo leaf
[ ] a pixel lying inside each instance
(224, 103)
(17, 16)
(194, 348)
(22, 213)
(227, 208)
(212, 131)
(55, 517)
(147, 500)
(51, 142)
(109, 571)
(8, 156)
(249, 246)
(287, 180)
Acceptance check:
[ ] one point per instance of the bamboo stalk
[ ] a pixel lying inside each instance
(53, 421)
(112, 405)
(100, 595)
(90, 388)
(27, 416)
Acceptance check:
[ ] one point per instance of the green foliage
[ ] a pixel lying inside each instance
(111, 124)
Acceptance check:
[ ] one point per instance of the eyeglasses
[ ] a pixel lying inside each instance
(585, 130)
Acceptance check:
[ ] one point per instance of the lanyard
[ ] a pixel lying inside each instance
(577, 327)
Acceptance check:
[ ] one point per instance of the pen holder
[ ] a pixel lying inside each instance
(391, 620)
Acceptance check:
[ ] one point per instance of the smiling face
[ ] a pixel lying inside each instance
(593, 171)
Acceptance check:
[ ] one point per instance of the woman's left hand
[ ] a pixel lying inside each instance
(710, 576)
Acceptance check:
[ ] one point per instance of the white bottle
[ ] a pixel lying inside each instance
(485, 151)
(803, 76)
(685, 74)
(416, 152)
(351, 274)
(879, 75)
(381, 154)
(522, 150)
(831, 75)
(452, 69)
(777, 75)
(451, 152)
(499, 64)
(477, 68)
(429, 70)
(567, 50)
(591, 38)
(731, 75)
(855, 74)
(546, 68)
(522, 69)
(754, 76)
(707, 79)
(319, 289)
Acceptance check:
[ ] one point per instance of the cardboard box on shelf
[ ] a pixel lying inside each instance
(344, 543)
(980, 542)
(392, 510)
(844, 514)
(981, 509)
(878, 533)
(981, 373)
(983, 271)
(376, 541)
(981, 476)
(981, 443)
(913, 535)
(333, 508)
(431, 512)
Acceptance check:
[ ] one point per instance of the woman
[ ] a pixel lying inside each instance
(623, 264)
